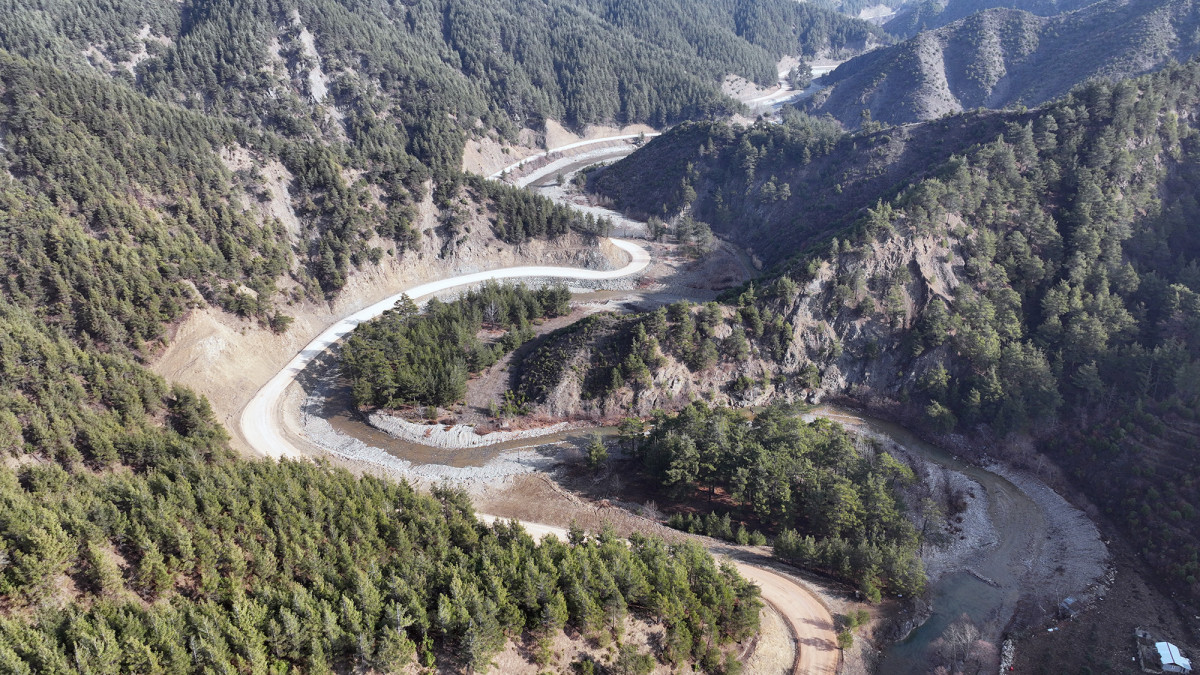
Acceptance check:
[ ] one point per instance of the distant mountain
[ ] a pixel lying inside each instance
(915, 17)
(1006, 57)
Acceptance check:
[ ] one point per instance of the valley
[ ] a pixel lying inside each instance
(988, 584)
(599, 337)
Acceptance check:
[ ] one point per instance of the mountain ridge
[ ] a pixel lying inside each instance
(1001, 58)
(916, 17)
(1034, 285)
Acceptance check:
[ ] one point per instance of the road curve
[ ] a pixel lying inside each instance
(260, 420)
(571, 146)
(808, 620)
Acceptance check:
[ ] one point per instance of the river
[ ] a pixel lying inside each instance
(1019, 521)
(1000, 575)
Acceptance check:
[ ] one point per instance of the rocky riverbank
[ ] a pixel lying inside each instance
(318, 430)
(455, 436)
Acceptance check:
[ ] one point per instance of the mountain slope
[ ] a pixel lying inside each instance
(931, 14)
(234, 168)
(1003, 57)
(737, 176)
(300, 68)
(1041, 279)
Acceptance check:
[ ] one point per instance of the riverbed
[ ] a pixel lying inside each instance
(1046, 550)
(1043, 549)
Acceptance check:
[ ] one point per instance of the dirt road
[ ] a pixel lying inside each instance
(570, 146)
(808, 620)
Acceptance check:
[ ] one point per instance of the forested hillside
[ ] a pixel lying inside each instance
(1043, 274)
(130, 539)
(775, 188)
(161, 156)
(334, 69)
(915, 17)
(194, 562)
(412, 357)
(609, 362)
(1005, 57)
(356, 107)
(796, 477)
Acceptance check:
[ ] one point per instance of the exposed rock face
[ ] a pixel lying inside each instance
(862, 348)
(856, 341)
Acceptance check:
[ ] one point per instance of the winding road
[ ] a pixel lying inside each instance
(569, 146)
(261, 424)
(260, 421)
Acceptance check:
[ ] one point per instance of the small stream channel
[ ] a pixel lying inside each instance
(338, 409)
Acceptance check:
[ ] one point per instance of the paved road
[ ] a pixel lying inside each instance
(571, 146)
(261, 419)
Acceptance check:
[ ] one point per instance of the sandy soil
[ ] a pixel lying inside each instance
(488, 153)
(544, 170)
(741, 89)
(775, 653)
(878, 14)
(671, 270)
(557, 135)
